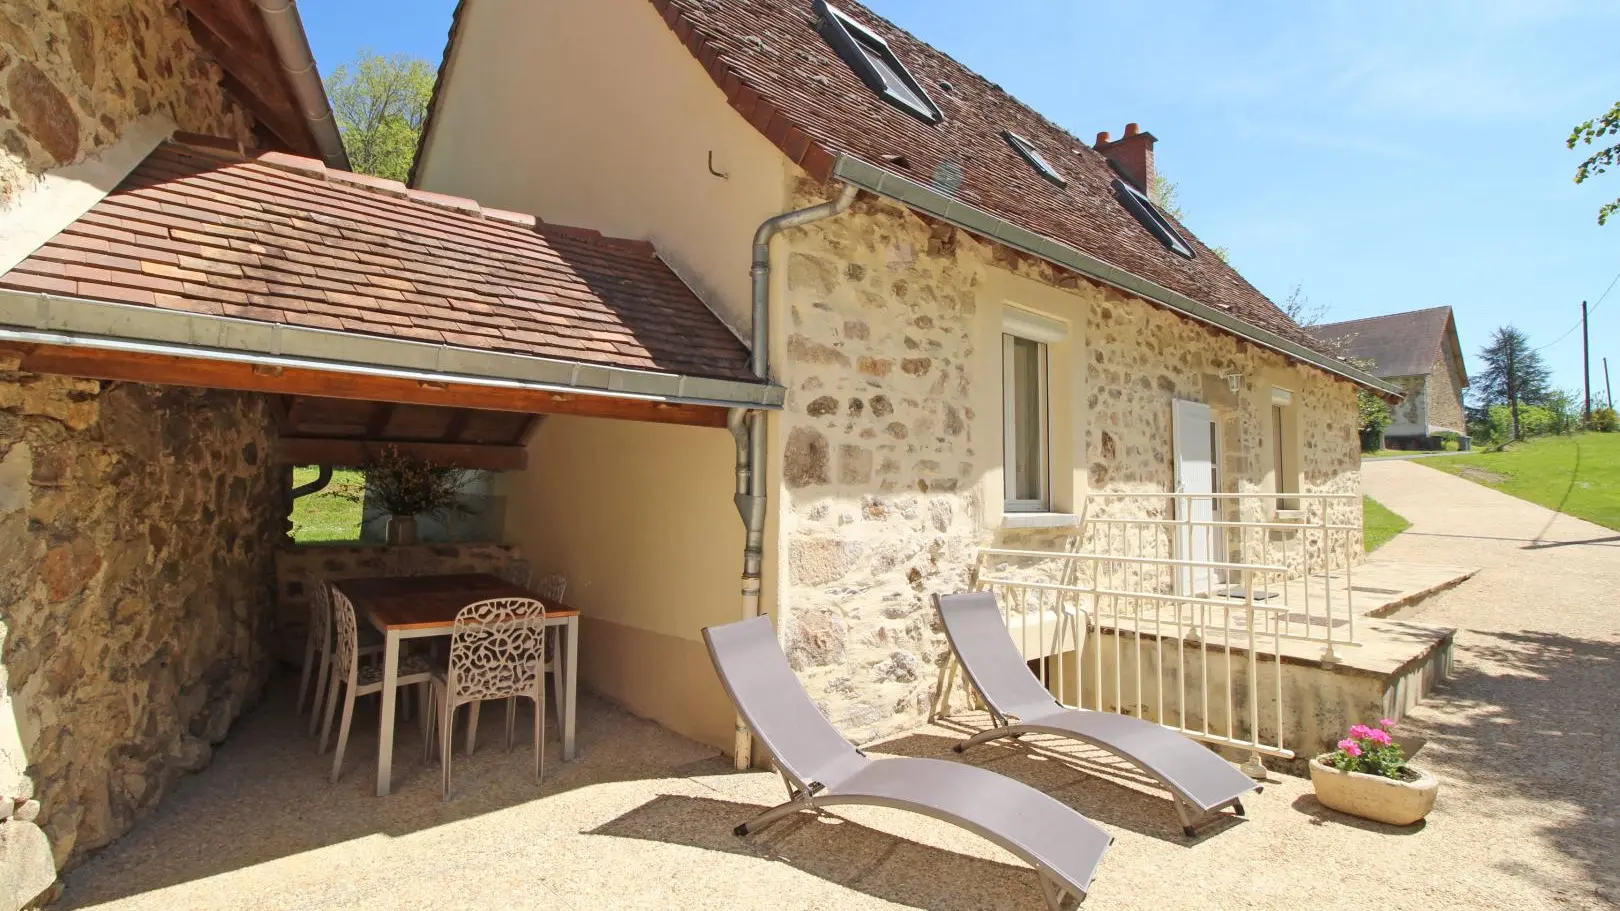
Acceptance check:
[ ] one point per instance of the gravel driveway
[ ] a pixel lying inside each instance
(1526, 732)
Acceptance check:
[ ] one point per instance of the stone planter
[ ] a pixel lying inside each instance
(401, 530)
(1398, 803)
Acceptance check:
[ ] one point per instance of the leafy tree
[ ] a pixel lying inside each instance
(380, 104)
(1166, 197)
(1589, 133)
(1375, 415)
(1514, 375)
(1299, 308)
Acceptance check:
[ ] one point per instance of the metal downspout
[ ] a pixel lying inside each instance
(748, 425)
(323, 477)
(286, 30)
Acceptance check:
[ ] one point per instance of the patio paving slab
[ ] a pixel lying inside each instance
(644, 820)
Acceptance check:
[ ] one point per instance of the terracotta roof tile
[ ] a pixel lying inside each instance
(780, 75)
(284, 239)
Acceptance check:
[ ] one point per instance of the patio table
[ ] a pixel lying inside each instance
(415, 607)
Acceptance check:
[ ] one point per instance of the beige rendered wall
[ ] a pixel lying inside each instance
(887, 337)
(594, 114)
(640, 520)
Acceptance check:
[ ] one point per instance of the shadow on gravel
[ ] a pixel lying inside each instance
(1531, 715)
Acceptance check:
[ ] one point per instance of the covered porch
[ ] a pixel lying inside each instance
(172, 352)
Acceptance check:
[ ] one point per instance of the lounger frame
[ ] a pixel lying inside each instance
(1188, 810)
(1057, 889)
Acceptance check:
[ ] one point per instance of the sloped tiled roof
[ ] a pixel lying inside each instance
(283, 239)
(777, 72)
(1398, 344)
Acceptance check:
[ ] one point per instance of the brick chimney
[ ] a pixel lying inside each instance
(1132, 154)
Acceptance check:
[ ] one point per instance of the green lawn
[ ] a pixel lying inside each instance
(1379, 524)
(1578, 475)
(333, 514)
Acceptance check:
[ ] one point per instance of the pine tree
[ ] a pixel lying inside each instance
(1514, 374)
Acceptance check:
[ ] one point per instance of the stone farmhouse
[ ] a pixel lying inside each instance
(1418, 351)
(790, 266)
(996, 324)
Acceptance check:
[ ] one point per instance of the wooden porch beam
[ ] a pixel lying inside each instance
(142, 367)
(319, 451)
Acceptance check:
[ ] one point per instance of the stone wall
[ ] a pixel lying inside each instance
(889, 346)
(138, 528)
(75, 73)
(293, 562)
(880, 465)
(1445, 397)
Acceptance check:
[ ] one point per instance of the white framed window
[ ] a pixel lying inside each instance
(1025, 424)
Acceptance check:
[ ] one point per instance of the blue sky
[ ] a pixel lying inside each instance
(1384, 155)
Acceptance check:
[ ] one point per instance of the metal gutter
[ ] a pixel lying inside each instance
(45, 319)
(932, 202)
(286, 30)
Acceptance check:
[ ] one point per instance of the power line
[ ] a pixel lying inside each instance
(1589, 312)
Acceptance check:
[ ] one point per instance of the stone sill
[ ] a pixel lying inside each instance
(1039, 520)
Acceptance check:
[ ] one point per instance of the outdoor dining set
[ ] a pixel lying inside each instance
(460, 639)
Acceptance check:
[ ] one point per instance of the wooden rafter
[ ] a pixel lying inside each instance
(140, 367)
(313, 451)
(457, 426)
(230, 32)
(379, 419)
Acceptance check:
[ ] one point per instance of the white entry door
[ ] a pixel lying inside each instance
(1194, 429)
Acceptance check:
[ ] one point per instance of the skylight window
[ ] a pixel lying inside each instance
(1026, 149)
(876, 65)
(1151, 218)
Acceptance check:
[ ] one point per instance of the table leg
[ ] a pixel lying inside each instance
(570, 685)
(385, 724)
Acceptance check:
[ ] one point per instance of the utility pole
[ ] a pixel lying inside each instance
(1586, 364)
(1607, 391)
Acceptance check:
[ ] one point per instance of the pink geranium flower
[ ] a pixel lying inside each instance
(1381, 738)
(1351, 747)
(1386, 722)
(1360, 730)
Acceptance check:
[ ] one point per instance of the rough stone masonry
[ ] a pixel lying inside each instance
(138, 529)
(893, 421)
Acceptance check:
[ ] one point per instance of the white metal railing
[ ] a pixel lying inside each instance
(1316, 538)
(1115, 633)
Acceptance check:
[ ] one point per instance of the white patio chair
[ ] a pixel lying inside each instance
(318, 646)
(552, 587)
(363, 679)
(497, 650)
(518, 572)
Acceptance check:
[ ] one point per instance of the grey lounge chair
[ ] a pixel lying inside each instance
(821, 768)
(1200, 781)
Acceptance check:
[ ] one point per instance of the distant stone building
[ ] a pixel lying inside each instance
(1418, 351)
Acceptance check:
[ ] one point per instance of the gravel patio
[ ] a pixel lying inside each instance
(1527, 818)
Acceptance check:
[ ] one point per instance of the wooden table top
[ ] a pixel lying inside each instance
(431, 602)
